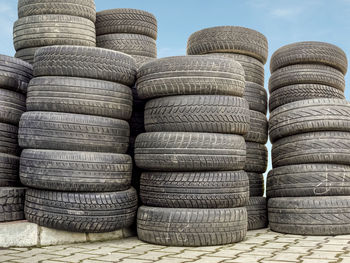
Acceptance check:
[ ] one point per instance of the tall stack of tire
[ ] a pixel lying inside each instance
(309, 186)
(250, 49)
(53, 22)
(74, 137)
(15, 75)
(195, 189)
(133, 32)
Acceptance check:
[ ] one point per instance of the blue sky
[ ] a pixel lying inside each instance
(281, 21)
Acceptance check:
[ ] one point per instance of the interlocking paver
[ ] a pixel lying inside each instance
(311, 260)
(191, 254)
(206, 259)
(283, 256)
(152, 255)
(323, 255)
(244, 258)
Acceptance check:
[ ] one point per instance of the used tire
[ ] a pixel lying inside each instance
(299, 92)
(75, 171)
(317, 216)
(47, 30)
(9, 139)
(12, 106)
(312, 147)
(256, 96)
(257, 213)
(310, 52)
(9, 166)
(81, 212)
(309, 180)
(309, 116)
(80, 95)
(256, 184)
(184, 151)
(191, 227)
(11, 203)
(27, 54)
(228, 39)
(193, 113)
(258, 128)
(257, 157)
(85, 62)
(140, 60)
(195, 190)
(190, 75)
(126, 20)
(73, 132)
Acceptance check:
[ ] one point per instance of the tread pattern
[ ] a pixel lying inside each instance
(182, 151)
(256, 96)
(257, 157)
(140, 60)
(195, 190)
(258, 131)
(191, 227)
(206, 113)
(257, 213)
(256, 184)
(12, 106)
(11, 203)
(73, 132)
(27, 54)
(9, 139)
(9, 166)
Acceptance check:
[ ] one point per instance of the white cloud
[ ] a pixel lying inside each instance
(286, 12)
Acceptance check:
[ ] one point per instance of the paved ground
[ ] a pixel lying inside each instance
(261, 246)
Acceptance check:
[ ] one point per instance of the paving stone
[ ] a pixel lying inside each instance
(75, 258)
(323, 255)
(311, 260)
(298, 250)
(66, 251)
(285, 257)
(127, 260)
(103, 250)
(206, 259)
(49, 236)
(207, 249)
(339, 242)
(19, 234)
(226, 253)
(275, 245)
(242, 246)
(7, 258)
(112, 257)
(172, 249)
(152, 255)
(307, 243)
(173, 260)
(191, 254)
(36, 259)
(244, 258)
(261, 251)
(142, 249)
(331, 248)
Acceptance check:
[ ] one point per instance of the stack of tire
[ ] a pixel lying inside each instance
(74, 139)
(133, 32)
(53, 22)
(15, 75)
(250, 49)
(309, 186)
(195, 189)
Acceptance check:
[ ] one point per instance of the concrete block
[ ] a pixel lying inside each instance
(93, 237)
(48, 236)
(18, 234)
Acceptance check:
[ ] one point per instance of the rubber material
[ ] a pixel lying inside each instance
(256, 184)
(256, 96)
(257, 213)
(257, 157)
(12, 106)
(258, 128)
(11, 203)
(9, 166)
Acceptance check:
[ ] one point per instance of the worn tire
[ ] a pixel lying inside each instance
(257, 157)
(193, 113)
(256, 96)
(12, 106)
(308, 180)
(9, 139)
(258, 130)
(312, 147)
(81, 212)
(309, 116)
(131, 44)
(141, 60)
(191, 227)
(257, 213)
(190, 75)
(75, 171)
(80, 95)
(195, 190)
(256, 184)
(9, 166)
(48, 30)
(299, 92)
(27, 54)
(126, 20)
(229, 39)
(73, 132)
(310, 52)
(85, 62)
(307, 74)
(11, 203)
(184, 151)
(316, 216)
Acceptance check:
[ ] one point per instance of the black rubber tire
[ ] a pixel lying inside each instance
(80, 95)
(27, 54)
(126, 20)
(73, 132)
(312, 147)
(11, 203)
(256, 96)
(195, 190)
(229, 39)
(307, 74)
(12, 106)
(47, 30)
(193, 113)
(9, 166)
(81, 8)
(299, 92)
(137, 125)
(256, 184)
(15, 74)
(75, 171)
(190, 75)
(310, 52)
(81, 212)
(257, 157)
(9, 139)
(184, 151)
(257, 213)
(309, 180)
(309, 116)
(258, 131)
(140, 60)
(316, 216)
(131, 44)
(85, 62)
(191, 227)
